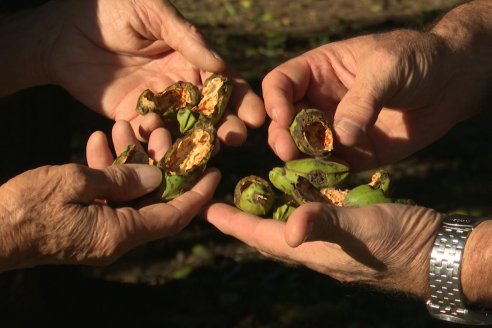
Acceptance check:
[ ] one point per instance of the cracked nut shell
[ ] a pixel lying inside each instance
(254, 195)
(312, 133)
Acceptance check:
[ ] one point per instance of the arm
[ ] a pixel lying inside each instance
(476, 272)
(468, 32)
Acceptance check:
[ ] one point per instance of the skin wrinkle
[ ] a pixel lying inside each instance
(319, 78)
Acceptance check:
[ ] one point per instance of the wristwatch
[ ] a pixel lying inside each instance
(446, 300)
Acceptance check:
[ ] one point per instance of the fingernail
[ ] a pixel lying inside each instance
(150, 176)
(216, 55)
(349, 127)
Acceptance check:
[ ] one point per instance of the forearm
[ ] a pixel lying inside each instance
(25, 39)
(476, 272)
(467, 30)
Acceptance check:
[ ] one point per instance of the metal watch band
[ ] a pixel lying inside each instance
(446, 297)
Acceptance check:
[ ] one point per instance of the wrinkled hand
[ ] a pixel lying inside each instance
(55, 214)
(389, 95)
(106, 52)
(386, 246)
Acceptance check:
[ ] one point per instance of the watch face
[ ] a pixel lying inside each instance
(459, 220)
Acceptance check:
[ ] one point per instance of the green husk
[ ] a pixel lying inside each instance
(185, 162)
(216, 92)
(312, 133)
(254, 195)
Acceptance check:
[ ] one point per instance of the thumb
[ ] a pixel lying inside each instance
(359, 108)
(120, 183)
(185, 38)
(317, 221)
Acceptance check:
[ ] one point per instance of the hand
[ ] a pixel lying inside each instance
(389, 95)
(54, 214)
(387, 246)
(106, 52)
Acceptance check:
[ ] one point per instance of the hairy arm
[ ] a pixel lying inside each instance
(468, 32)
(476, 272)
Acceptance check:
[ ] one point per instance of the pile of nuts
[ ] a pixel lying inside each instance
(310, 179)
(197, 113)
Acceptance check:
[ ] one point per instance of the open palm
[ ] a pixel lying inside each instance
(107, 52)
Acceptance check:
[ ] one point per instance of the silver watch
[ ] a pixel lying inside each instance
(446, 297)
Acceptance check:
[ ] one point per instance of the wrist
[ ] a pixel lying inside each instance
(466, 27)
(9, 254)
(27, 38)
(19, 233)
(476, 273)
(467, 33)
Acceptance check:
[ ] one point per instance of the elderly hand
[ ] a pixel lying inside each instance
(59, 214)
(387, 246)
(388, 95)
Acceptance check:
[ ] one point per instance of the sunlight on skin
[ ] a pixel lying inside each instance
(100, 156)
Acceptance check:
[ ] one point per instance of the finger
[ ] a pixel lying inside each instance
(160, 142)
(266, 235)
(281, 142)
(143, 125)
(284, 86)
(118, 183)
(123, 136)
(98, 152)
(168, 218)
(256, 232)
(185, 38)
(359, 108)
(232, 130)
(247, 104)
(322, 222)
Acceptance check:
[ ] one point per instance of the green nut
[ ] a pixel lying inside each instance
(284, 208)
(321, 173)
(167, 103)
(186, 119)
(304, 192)
(295, 185)
(131, 155)
(283, 179)
(312, 133)
(147, 102)
(381, 180)
(174, 185)
(254, 195)
(216, 92)
(365, 195)
(185, 162)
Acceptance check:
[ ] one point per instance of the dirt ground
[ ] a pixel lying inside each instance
(201, 278)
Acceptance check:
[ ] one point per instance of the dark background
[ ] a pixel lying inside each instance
(201, 278)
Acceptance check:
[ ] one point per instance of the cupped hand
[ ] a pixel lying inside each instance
(388, 95)
(385, 246)
(60, 214)
(106, 52)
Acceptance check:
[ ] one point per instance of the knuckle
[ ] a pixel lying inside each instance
(74, 176)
